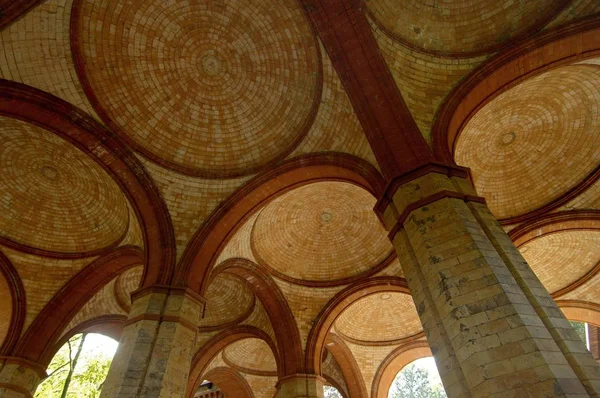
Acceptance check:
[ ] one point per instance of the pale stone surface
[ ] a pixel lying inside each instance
(17, 380)
(300, 386)
(491, 325)
(155, 353)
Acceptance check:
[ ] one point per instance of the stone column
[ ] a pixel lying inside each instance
(300, 386)
(493, 328)
(19, 378)
(156, 347)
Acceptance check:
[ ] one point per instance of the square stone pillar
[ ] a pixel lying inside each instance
(300, 386)
(19, 378)
(493, 328)
(156, 346)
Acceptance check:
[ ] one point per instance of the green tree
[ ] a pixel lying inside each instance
(75, 372)
(331, 392)
(580, 329)
(414, 382)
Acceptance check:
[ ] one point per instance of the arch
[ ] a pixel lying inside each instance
(204, 355)
(542, 52)
(13, 10)
(40, 338)
(343, 356)
(342, 300)
(206, 244)
(18, 302)
(555, 223)
(394, 363)
(289, 348)
(582, 311)
(107, 325)
(68, 122)
(230, 382)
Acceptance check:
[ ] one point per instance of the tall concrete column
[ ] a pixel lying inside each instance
(156, 347)
(493, 328)
(300, 386)
(19, 378)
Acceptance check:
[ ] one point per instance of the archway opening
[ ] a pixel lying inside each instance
(208, 389)
(418, 379)
(331, 392)
(79, 367)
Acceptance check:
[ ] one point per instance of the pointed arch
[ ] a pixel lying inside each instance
(287, 335)
(343, 356)
(334, 308)
(18, 303)
(40, 338)
(230, 382)
(394, 363)
(208, 351)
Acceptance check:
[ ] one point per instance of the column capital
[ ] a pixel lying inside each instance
(300, 385)
(20, 377)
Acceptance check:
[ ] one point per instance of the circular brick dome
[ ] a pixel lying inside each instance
(251, 354)
(227, 299)
(460, 26)
(379, 318)
(53, 197)
(213, 89)
(559, 259)
(325, 231)
(533, 143)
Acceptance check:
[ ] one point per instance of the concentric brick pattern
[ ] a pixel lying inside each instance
(36, 50)
(5, 308)
(322, 231)
(460, 26)
(380, 317)
(252, 354)
(227, 299)
(533, 143)
(215, 88)
(54, 197)
(559, 259)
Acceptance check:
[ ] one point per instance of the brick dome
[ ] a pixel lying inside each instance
(460, 26)
(54, 198)
(536, 141)
(325, 231)
(212, 89)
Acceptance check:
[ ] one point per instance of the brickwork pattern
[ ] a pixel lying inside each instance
(227, 298)
(575, 10)
(321, 231)
(424, 79)
(516, 144)
(253, 354)
(369, 358)
(300, 386)
(332, 369)
(459, 26)
(54, 197)
(39, 291)
(491, 324)
(36, 50)
(375, 318)
(561, 258)
(262, 386)
(17, 380)
(203, 86)
(154, 356)
(127, 283)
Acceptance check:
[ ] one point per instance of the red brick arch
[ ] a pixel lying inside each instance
(350, 370)
(230, 382)
(205, 355)
(204, 248)
(334, 308)
(394, 363)
(17, 303)
(39, 341)
(289, 347)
